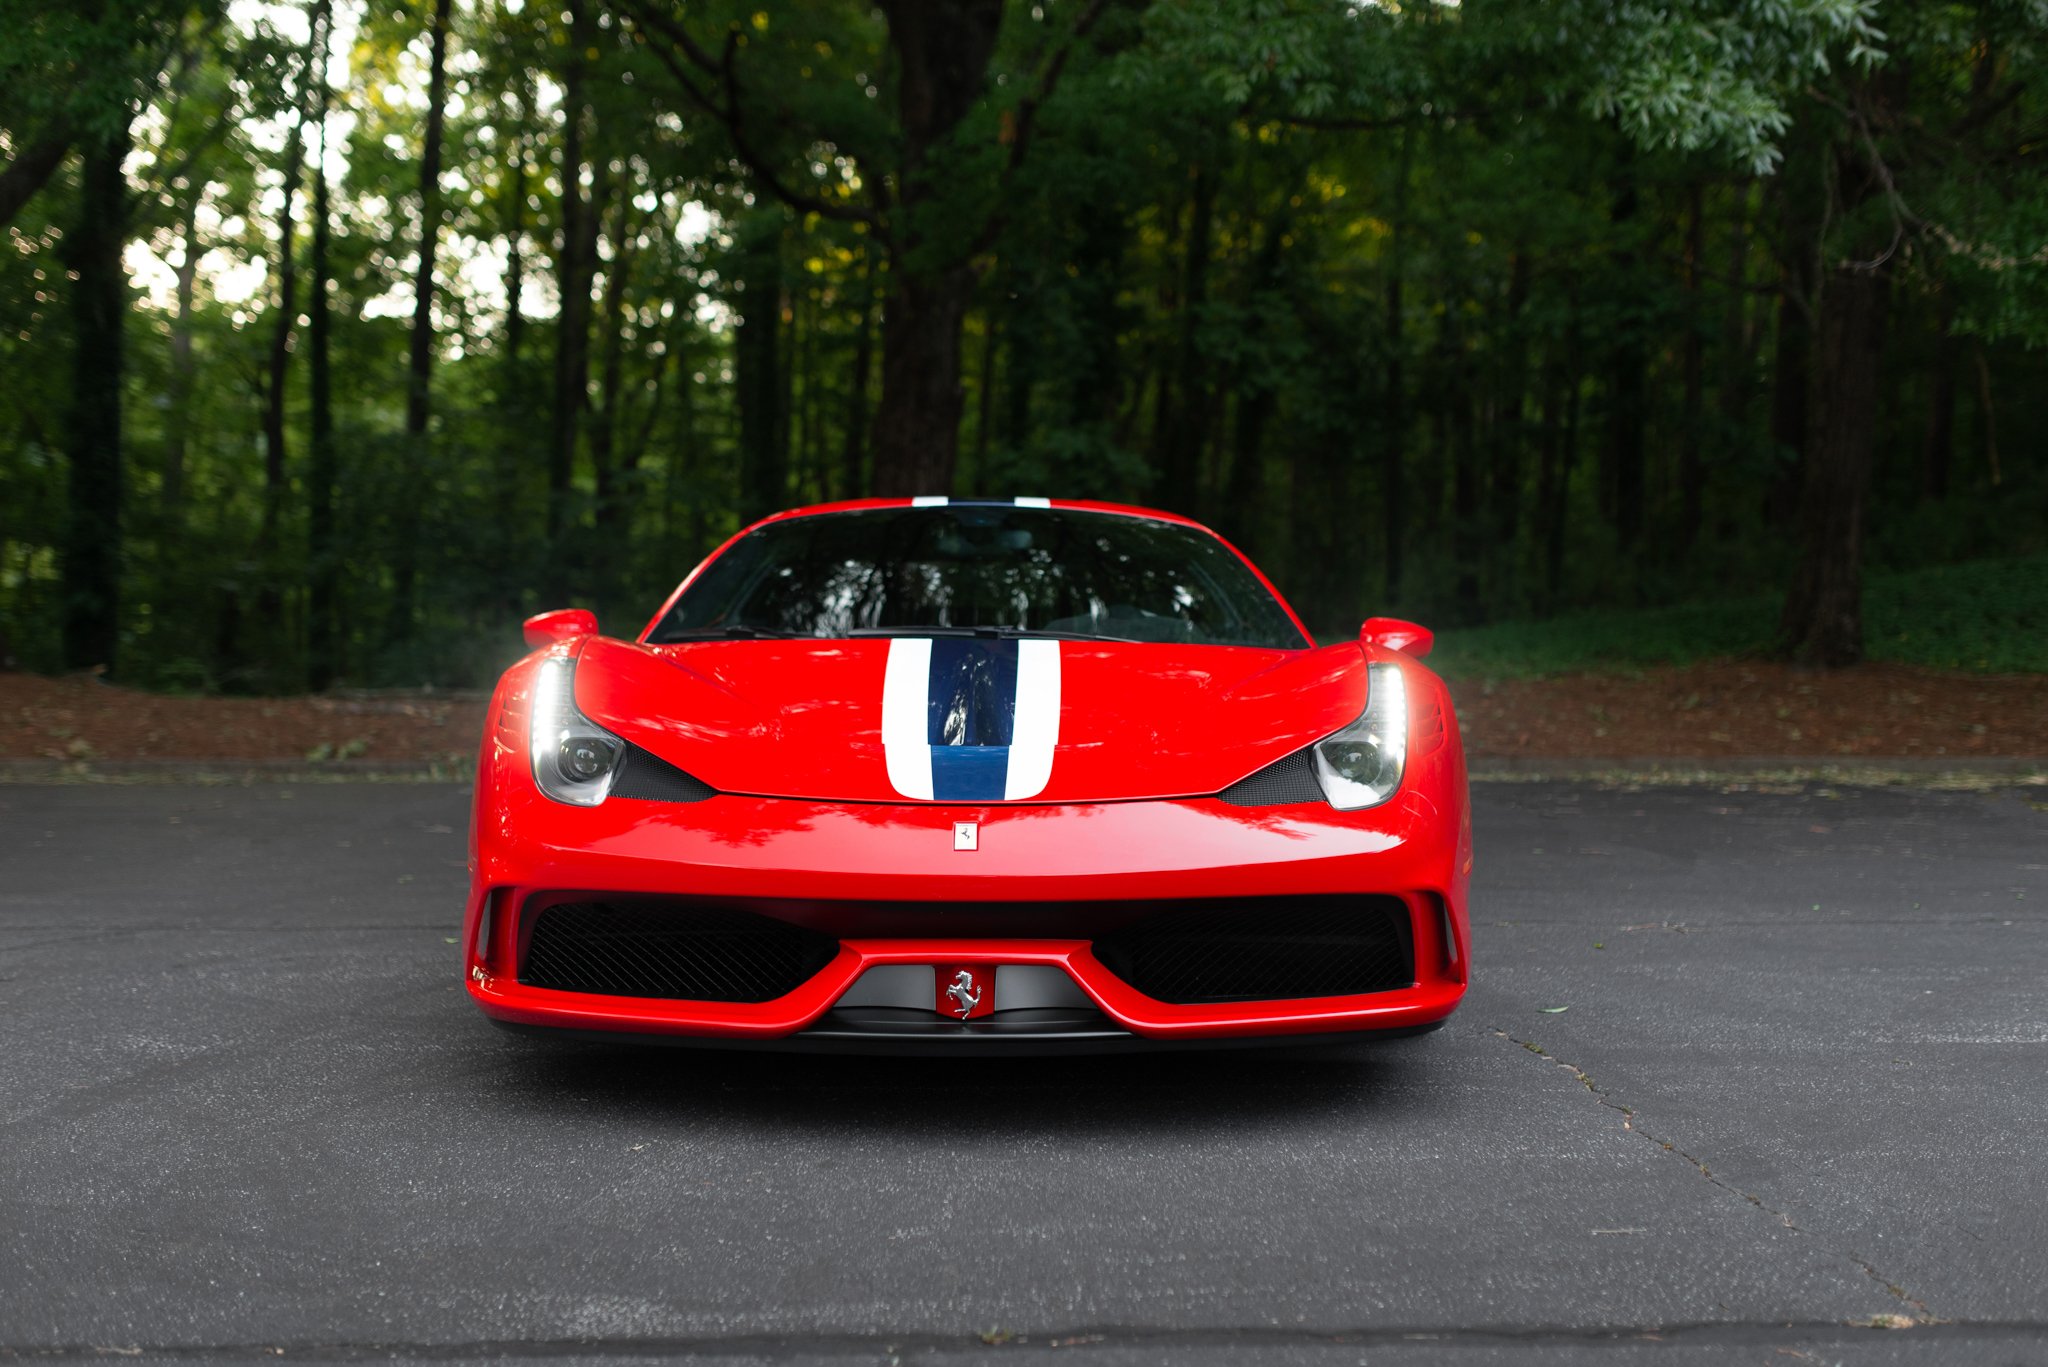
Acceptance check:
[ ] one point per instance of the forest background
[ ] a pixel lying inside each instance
(336, 336)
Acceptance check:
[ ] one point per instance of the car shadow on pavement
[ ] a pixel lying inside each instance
(1101, 1094)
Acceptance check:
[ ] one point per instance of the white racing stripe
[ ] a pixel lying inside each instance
(905, 730)
(1033, 502)
(1036, 730)
(928, 501)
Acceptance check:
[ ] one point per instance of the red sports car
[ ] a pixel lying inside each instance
(948, 775)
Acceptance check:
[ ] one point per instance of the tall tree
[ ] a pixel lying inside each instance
(760, 366)
(323, 559)
(931, 206)
(1823, 618)
(419, 455)
(420, 362)
(575, 268)
(98, 477)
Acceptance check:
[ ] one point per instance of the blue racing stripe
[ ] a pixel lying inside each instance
(972, 695)
(970, 713)
(969, 773)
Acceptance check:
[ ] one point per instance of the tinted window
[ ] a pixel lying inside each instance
(981, 566)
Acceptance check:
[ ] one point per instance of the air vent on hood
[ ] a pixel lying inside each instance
(654, 779)
(1291, 778)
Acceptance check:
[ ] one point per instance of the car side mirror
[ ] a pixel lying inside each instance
(1395, 634)
(546, 628)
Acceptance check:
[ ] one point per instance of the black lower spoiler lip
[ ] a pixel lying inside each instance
(881, 1030)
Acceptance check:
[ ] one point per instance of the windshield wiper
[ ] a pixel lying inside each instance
(726, 633)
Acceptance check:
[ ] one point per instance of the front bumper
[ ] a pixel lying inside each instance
(886, 882)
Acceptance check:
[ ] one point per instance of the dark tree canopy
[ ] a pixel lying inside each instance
(339, 336)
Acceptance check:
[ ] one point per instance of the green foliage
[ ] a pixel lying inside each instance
(1362, 285)
(1987, 617)
(1716, 77)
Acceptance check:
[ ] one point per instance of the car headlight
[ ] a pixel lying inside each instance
(1361, 765)
(574, 759)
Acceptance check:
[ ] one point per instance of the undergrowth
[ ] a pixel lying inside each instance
(1990, 616)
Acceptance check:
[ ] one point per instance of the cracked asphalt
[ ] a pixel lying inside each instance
(1742, 1076)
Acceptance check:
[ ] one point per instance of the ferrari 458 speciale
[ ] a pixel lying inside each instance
(950, 775)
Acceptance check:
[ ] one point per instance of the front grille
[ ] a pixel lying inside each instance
(1291, 778)
(671, 949)
(1266, 949)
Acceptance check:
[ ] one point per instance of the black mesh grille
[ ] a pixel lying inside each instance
(1266, 949)
(650, 777)
(670, 949)
(1291, 778)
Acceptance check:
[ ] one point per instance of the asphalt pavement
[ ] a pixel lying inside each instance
(1744, 1076)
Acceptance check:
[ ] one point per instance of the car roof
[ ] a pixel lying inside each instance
(936, 501)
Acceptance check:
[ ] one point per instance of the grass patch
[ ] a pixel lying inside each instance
(1990, 616)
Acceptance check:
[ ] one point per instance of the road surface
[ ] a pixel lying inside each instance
(1740, 1073)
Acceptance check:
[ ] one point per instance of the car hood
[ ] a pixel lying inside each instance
(968, 719)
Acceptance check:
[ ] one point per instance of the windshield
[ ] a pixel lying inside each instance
(992, 569)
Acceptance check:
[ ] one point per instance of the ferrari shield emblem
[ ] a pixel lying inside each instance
(966, 835)
(965, 991)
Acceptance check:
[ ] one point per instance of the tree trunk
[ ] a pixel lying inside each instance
(1622, 451)
(942, 50)
(184, 368)
(1182, 429)
(1802, 215)
(917, 422)
(1244, 487)
(984, 402)
(99, 302)
(239, 665)
(323, 644)
(285, 318)
(419, 370)
(1095, 381)
(1560, 493)
(757, 363)
(1692, 480)
(1457, 443)
(512, 463)
(1394, 400)
(405, 566)
(1990, 415)
(1509, 435)
(1736, 328)
(32, 169)
(1937, 448)
(1021, 364)
(1549, 448)
(611, 366)
(515, 256)
(1823, 619)
(789, 356)
(1790, 386)
(852, 476)
(572, 276)
(635, 452)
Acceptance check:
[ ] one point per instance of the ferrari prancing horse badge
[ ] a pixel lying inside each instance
(965, 991)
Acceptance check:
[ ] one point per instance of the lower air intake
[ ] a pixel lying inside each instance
(1266, 949)
(674, 950)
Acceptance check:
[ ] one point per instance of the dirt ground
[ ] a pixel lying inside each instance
(1721, 709)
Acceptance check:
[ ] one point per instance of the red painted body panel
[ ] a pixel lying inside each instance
(804, 718)
(789, 732)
